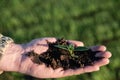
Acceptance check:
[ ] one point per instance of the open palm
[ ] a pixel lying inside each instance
(24, 64)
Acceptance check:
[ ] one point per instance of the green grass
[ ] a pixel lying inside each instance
(94, 22)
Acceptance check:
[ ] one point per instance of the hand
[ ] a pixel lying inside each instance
(24, 64)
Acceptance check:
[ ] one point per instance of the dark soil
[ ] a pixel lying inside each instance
(55, 57)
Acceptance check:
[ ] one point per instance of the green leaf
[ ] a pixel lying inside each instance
(81, 48)
(61, 46)
(70, 47)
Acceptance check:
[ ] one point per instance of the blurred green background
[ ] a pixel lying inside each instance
(94, 22)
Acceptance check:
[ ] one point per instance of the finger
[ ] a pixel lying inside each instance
(49, 39)
(90, 68)
(76, 43)
(41, 45)
(98, 48)
(105, 54)
(102, 62)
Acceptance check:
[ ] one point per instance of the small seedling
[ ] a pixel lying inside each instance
(71, 48)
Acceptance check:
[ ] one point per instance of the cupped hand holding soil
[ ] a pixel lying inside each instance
(63, 54)
(48, 61)
(36, 58)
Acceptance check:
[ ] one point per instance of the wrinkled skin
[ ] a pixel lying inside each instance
(14, 59)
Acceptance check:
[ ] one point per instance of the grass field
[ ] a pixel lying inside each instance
(94, 22)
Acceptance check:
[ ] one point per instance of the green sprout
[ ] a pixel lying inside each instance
(71, 49)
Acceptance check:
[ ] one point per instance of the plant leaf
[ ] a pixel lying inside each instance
(61, 47)
(81, 48)
(71, 47)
